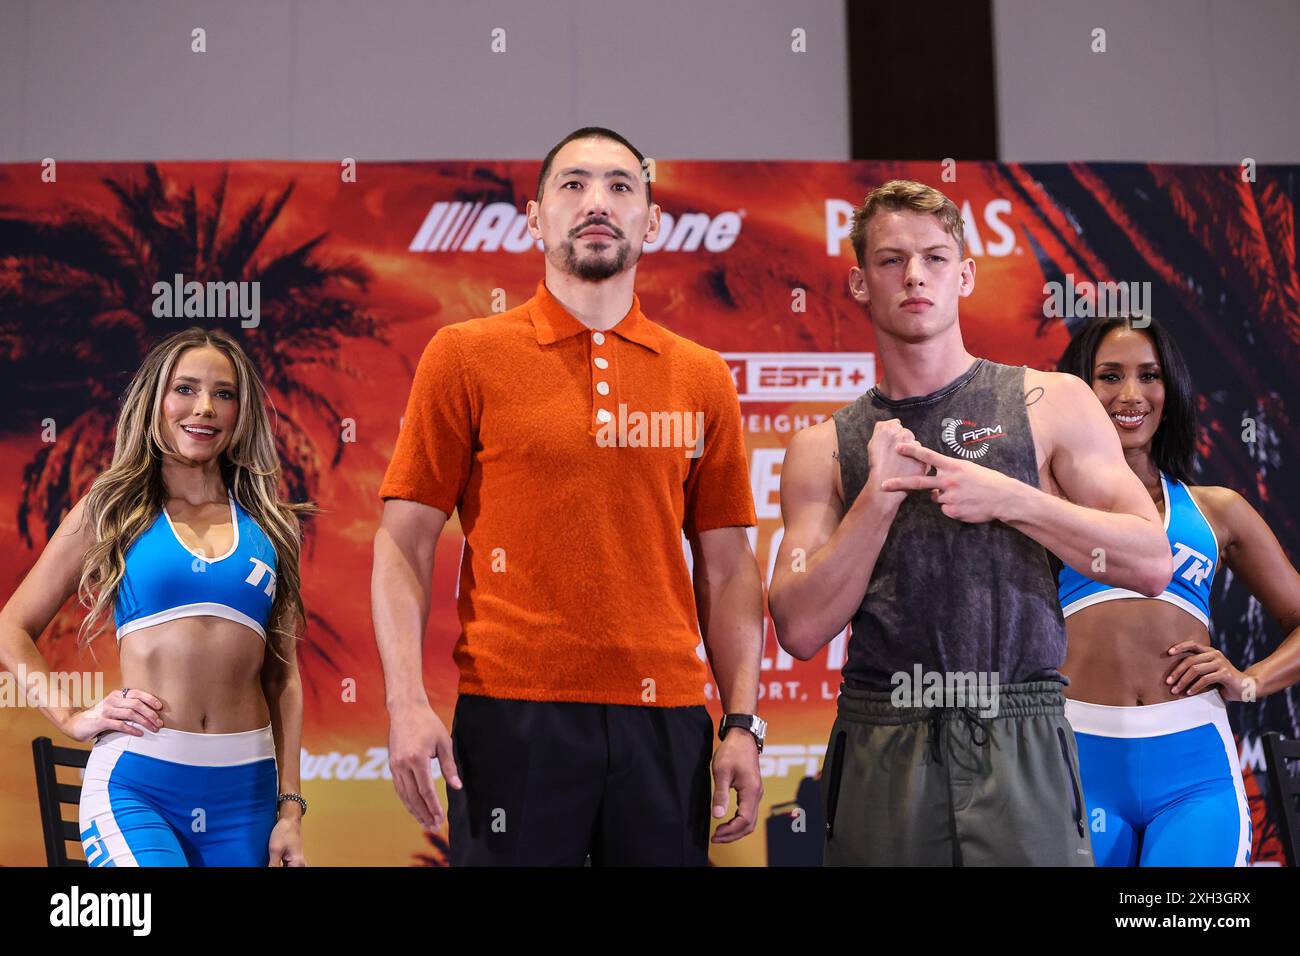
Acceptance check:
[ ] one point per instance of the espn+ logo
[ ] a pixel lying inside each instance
(801, 376)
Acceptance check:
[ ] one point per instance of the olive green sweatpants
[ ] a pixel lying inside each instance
(945, 786)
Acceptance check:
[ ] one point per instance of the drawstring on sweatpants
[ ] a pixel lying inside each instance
(977, 727)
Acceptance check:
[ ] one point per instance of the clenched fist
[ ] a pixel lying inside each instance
(885, 460)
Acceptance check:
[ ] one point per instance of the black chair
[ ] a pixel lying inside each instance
(801, 846)
(1284, 788)
(52, 794)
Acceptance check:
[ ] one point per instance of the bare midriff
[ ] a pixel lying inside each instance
(1117, 651)
(205, 670)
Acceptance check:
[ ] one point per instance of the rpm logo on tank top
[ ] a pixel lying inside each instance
(967, 439)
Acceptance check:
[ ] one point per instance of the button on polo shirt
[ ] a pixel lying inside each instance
(576, 461)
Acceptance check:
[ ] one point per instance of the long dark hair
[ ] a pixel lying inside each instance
(1174, 445)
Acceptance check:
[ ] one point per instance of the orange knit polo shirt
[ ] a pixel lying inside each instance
(577, 459)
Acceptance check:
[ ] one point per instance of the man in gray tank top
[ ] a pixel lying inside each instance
(922, 515)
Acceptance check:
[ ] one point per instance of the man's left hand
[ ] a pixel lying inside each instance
(962, 489)
(735, 767)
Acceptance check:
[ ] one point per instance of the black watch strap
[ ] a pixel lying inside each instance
(754, 724)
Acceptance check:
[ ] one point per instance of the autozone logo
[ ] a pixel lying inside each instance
(801, 376)
(500, 227)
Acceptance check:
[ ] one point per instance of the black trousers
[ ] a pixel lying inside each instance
(549, 784)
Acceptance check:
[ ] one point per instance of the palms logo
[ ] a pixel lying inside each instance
(967, 439)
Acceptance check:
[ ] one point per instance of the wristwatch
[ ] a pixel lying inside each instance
(754, 724)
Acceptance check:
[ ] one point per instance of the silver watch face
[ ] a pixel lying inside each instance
(758, 726)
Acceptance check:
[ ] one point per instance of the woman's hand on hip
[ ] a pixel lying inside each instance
(121, 710)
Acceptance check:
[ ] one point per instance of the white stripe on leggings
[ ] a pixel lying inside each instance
(95, 808)
(1169, 717)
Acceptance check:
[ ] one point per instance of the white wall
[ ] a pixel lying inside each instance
(1181, 81)
(400, 79)
(1191, 81)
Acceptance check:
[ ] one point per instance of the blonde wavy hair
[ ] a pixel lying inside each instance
(127, 498)
(906, 195)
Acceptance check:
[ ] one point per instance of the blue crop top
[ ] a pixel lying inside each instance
(1196, 553)
(165, 580)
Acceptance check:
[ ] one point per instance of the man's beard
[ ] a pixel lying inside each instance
(596, 268)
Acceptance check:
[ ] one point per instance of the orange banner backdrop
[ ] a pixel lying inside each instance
(752, 261)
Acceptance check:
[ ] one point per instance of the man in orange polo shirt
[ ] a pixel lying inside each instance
(579, 441)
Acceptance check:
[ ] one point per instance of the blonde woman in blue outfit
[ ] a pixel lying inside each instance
(183, 538)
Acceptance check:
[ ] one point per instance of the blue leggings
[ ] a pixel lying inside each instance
(179, 799)
(1162, 783)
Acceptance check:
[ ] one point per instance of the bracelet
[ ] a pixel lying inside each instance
(296, 798)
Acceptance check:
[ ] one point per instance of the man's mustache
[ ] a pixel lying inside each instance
(618, 233)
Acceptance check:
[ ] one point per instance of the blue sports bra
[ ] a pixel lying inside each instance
(165, 580)
(1195, 549)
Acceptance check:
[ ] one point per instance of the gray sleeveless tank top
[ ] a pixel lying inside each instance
(945, 594)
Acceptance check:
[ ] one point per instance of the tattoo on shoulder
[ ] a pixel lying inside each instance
(1033, 395)
(835, 455)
